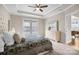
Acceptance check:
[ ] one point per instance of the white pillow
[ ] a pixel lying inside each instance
(1, 45)
(34, 37)
(8, 38)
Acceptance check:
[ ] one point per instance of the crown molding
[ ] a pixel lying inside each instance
(50, 15)
(72, 13)
(30, 13)
(52, 10)
(5, 8)
(35, 17)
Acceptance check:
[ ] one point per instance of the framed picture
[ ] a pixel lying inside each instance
(52, 26)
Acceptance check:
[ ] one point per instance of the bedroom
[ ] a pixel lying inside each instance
(35, 24)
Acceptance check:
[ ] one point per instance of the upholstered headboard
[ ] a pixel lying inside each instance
(3, 24)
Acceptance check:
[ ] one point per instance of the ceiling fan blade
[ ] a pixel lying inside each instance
(44, 6)
(37, 5)
(32, 6)
(41, 10)
(34, 10)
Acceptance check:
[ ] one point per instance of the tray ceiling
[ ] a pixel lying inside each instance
(28, 11)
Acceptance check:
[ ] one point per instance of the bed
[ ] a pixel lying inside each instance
(32, 45)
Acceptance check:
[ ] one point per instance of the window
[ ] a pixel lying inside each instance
(26, 26)
(34, 27)
(74, 23)
(30, 27)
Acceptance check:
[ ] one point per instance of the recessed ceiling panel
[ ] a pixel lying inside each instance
(52, 8)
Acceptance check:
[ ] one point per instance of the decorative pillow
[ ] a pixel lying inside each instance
(1, 45)
(8, 38)
(22, 40)
(16, 38)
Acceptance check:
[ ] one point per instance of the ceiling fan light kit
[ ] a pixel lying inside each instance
(37, 8)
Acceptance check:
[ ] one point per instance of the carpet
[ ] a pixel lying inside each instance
(62, 49)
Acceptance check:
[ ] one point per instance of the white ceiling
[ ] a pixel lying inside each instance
(28, 11)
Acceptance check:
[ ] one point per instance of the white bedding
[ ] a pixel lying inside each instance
(34, 37)
(8, 38)
(1, 44)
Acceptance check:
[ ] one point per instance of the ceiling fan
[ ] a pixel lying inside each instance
(39, 7)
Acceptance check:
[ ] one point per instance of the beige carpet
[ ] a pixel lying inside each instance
(62, 49)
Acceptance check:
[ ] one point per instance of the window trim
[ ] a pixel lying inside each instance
(31, 22)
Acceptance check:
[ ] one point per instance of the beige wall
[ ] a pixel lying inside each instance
(17, 23)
